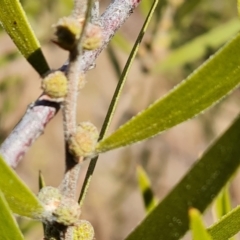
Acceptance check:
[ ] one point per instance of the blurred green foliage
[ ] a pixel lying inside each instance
(9, 89)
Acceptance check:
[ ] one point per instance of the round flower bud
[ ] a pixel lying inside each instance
(93, 37)
(55, 84)
(83, 231)
(83, 143)
(58, 208)
(68, 31)
(50, 198)
(68, 212)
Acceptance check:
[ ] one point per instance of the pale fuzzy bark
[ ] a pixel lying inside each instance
(29, 128)
(79, 9)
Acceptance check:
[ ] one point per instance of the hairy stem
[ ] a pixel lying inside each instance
(79, 8)
(69, 184)
(73, 73)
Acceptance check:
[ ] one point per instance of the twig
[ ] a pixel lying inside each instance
(69, 184)
(30, 127)
(79, 8)
(95, 12)
(23, 135)
(73, 73)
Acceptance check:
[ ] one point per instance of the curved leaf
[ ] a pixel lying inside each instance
(19, 197)
(169, 220)
(14, 21)
(150, 201)
(227, 226)
(8, 226)
(218, 76)
(222, 204)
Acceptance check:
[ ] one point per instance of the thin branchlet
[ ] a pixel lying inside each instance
(74, 71)
(82, 9)
(79, 8)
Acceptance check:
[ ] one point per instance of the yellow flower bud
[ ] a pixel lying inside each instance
(58, 208)
(50, 198)
(83, 142)
(93, 37)
(55, 84)
(68, 212)
(68, 31)
(83, 231)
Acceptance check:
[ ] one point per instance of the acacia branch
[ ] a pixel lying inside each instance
(37, 116)
(29, 128)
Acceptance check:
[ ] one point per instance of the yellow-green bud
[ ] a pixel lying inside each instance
(83, 143)
(68, 31)
(58, 208)
(83, 231)
(68, 212)
(50, 198)
(55, 84)
(93, 37)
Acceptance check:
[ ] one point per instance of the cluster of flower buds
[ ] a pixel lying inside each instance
(68, 31)
(58, 208)
(65, 211)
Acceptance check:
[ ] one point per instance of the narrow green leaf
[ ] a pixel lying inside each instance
(149, 199)
(145, 7)
(41, 182)
(218, 76)
(8, 226)
(19, 197)
(227, 226)
(123, 78)
(14, 21)
(169, 220)
(222, 204)
(115, 98)
(196, 48)
(198, 229)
